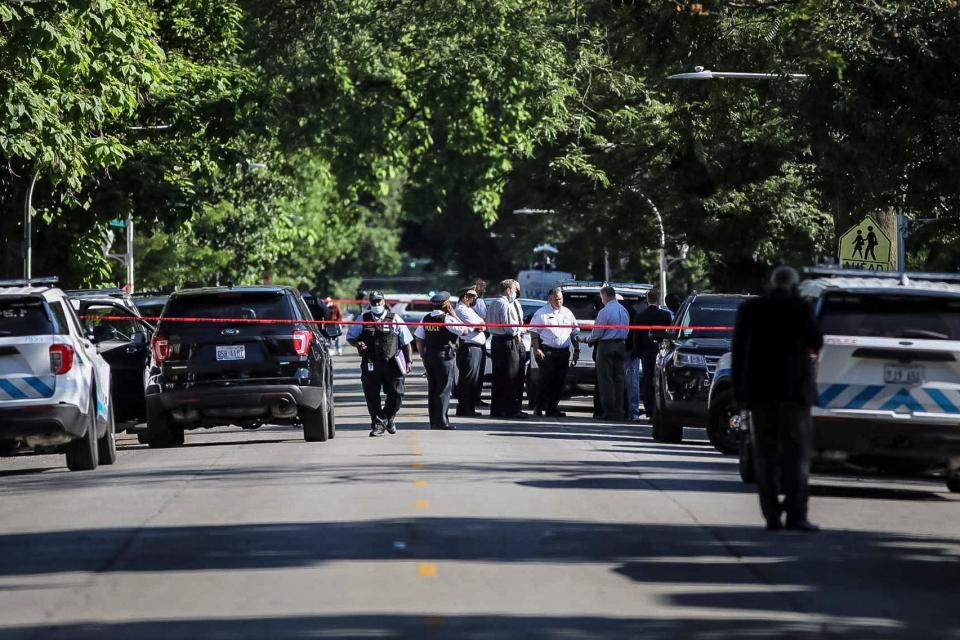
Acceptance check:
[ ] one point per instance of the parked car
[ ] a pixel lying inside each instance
(122, 337)
(266, 362)
(582, 299)
(687, 361)
(150, 304)
(888, 376)
(725, 422)
(54, 385)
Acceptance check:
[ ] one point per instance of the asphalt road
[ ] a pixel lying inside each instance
(545, 528)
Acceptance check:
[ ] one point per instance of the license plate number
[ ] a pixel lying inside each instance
(232, 352)
(898, 374)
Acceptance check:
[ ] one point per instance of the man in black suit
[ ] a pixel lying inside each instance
(775, 344)
(646, 346)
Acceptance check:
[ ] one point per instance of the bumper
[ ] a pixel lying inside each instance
(904, 438)
(42, 424)
(238, 398)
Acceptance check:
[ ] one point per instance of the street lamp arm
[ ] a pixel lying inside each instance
(706, 74)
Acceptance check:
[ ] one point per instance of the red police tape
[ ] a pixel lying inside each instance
(642, 327)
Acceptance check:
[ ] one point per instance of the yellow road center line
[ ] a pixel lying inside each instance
(427, 570)
(422, 504)
(421, 483)
(417, 465)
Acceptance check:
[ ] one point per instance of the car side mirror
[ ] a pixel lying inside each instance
(89, 334)
(139, 338)
(331, 330)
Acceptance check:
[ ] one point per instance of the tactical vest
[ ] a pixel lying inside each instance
(439, 340)
(381, 339)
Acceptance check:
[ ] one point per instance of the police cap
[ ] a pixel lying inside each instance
(376, 294)
(440, 297)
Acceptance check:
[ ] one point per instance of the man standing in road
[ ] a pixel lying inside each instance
(505, 351)
(775, 342)
(551, 349)
(610, 354)
(524, 345)
(386, 355)
(480, 307)
(645, 346)
(438, 349)
(469, 355)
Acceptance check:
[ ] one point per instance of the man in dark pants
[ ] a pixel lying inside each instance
(551, 349)
(610, 355)
(646, 346)
(775, 342)
(386, 355)
(469, 354)
(505, 352)
(480, 307)
(438, 350)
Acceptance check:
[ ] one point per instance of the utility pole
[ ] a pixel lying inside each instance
(28, 229)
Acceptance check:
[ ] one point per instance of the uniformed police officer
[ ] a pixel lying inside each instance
(386, 355)
(437, 342)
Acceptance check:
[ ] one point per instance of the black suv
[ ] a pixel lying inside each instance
(687, 361)
(247, 355)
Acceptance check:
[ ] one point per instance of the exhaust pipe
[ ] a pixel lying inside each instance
(284, 409)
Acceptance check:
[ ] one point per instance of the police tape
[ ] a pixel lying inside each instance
(487, 325)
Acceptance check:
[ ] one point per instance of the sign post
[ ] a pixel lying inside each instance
(866, 246)
(125, 258)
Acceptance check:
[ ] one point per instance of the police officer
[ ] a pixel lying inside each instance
(386, 355)
(438, 349)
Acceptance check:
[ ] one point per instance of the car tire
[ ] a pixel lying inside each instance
(953, 481)
(81, 453)
(107, 445)
(315, 427)
(160, 433)
(666, 429)
(722, 435)
(745, 465)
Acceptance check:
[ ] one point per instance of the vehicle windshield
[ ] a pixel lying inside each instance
(24, 316)
(585, 305)
(891, 316)
(240, 305)
(718, 312)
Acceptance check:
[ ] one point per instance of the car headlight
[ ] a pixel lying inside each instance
(682, 359)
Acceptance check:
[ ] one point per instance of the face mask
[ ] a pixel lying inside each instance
(377, 309)
(511, 297)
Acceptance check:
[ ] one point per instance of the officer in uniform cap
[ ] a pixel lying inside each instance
(437, 340)
(386, 355)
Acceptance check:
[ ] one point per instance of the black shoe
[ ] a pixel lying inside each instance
(496, 415)
(557, 414)
(803, 525)
(538, 414)
(391, 428)
(481, 403)
(376, 432)
(448, 427)
(520, 415)
(774, 525)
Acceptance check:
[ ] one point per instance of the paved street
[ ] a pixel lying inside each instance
(507, 529)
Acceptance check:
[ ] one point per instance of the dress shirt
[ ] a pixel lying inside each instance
(353, 333)
(481, 308)
(469, 315)
(453, 326)
(559, 337)
(612, 313)
(500, 311)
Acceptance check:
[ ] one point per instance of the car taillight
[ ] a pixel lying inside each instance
(160, 348)
(61, 358)
(301, 342)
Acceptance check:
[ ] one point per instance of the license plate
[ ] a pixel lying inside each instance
(899, 374)
(232, 352)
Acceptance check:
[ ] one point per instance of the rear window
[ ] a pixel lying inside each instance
(718, 312)
(24, 316)
(582, 304)
(240, 305)
(891, 316)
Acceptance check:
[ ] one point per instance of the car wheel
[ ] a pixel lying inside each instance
(723, 429)
(315, 428)
(7, 447)
(669, 430)
(107, 445)
(748, 472)
(953, 481)
(82, 452)
(160, 433)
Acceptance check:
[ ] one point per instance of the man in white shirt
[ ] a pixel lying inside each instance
(551, 348)
(469, 355)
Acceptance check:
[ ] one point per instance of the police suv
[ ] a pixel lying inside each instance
(54, 386)
(889, 373)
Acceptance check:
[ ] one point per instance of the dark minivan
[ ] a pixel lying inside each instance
(687, 361)
(238, 355)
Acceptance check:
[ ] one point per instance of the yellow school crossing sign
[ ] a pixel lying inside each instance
(866, 246)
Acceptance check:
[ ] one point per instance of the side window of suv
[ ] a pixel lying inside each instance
(61, 317)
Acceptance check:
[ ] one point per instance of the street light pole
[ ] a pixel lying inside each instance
(28, 229)
(699, 73)
(663, 248)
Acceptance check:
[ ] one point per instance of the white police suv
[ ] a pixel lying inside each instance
(889, 373)
(54, 386)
